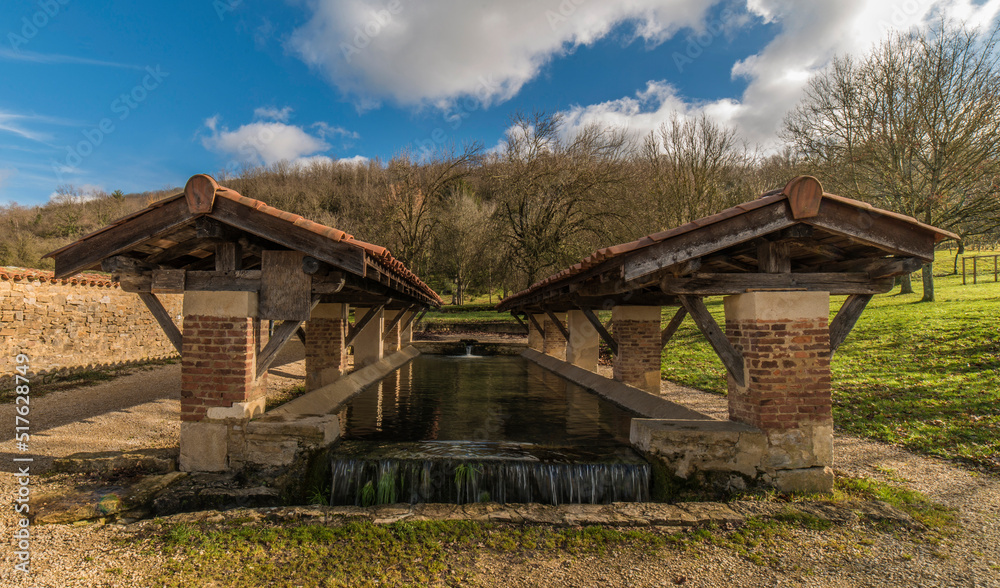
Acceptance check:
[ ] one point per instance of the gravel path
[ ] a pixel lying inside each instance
(139, 411)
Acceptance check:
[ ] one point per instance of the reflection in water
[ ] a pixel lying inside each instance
(486, 399)
(474, 429)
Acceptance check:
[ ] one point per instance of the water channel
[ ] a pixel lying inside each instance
(473, 429)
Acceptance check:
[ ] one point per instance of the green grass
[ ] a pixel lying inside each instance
(467, 314)
(364, 554)
(922, 375)
(932, 514)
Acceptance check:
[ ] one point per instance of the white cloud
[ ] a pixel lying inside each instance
(434, 51)
(810, 35)
(81, 193)
(262, 142)
(355, 160)
(280, 115)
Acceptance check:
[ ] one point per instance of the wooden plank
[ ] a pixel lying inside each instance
(891, 268)
(328, 284)
(285, 290)
(846, 318)
(672, 326)
(725, 284)
(603, 332)
(164, 319)
(357, 327)
(731, 358)
(167, 281)
(562, 328)
(117, 239)
(228, 256)
(709, 239)
(341, 255)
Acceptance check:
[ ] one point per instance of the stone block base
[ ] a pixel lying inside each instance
(204, 447)
(732, 454)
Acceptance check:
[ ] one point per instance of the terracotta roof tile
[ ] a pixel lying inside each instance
(17, 274)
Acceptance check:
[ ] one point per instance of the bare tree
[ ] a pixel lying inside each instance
(697, 168)
(557, 196)
(914, 126)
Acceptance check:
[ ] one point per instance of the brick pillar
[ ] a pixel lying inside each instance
(326, 354)
(785, 341)
(219, 387)
(406, 335)
(368, 343)
(536, 339)
(637, 330)
(392, 339)
(555, 343)
(583, 347)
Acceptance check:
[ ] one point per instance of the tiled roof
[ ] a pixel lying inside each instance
(380, 255)
(601, 255)
(17, 274)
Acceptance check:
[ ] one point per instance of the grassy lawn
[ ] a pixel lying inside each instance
(923, 375)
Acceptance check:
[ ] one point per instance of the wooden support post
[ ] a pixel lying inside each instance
(356, 329)
(963, 270)
(301, 334)
(395, 321)
(283, 333)
(603, 332)
(163, 318)
(534, 322)
(672, 326)
(522, 323)
(731, 358)
(975, 270)
(228, 256)
(846, 318)
(558, 323)
(411, 320)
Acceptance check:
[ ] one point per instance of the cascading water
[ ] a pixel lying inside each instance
(500, 429)
(492, 472)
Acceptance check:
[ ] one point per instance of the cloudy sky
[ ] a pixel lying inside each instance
(139, 96)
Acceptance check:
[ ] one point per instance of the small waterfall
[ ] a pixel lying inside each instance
(468, 347)
(364, 482)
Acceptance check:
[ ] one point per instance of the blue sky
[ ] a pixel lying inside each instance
(108, 95)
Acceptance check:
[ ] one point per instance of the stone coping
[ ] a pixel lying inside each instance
(330, 398)
(639, 401)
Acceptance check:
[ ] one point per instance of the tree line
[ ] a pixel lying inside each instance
(913, 127)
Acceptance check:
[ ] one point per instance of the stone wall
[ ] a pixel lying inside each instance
(80, 323)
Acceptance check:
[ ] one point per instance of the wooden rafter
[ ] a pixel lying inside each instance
(558, 323)
(534, 321)
(725, 284)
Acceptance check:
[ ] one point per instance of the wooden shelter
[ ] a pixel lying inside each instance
(777, 259)
(239, 262)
